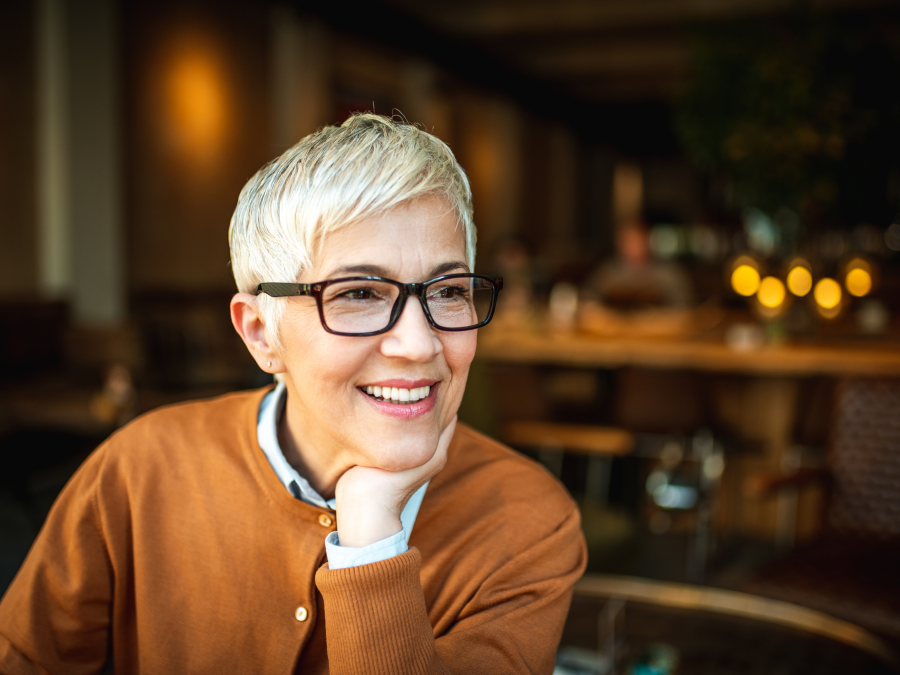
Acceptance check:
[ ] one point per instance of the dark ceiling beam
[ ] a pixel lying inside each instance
(637, 87)
(465, 59)
(500, 19)
(584, 36)
(620, 58)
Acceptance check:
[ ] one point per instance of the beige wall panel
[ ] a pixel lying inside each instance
(301, 88)
(197, 130)
(488, 147)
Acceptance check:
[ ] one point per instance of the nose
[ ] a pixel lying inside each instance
(412, 337)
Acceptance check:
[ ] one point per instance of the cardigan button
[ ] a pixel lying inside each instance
(325, 520)
(301, 614)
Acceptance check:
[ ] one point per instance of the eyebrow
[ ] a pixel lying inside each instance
(378, 271)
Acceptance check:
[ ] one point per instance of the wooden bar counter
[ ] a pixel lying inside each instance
(754, 392)
(507, 344)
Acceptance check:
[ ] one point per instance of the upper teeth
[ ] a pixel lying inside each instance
(398, 393)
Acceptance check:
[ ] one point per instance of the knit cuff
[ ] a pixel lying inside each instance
(375, 617)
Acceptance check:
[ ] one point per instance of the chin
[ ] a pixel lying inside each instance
(405, 452)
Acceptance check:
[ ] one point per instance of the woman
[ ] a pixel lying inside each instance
(342, 522)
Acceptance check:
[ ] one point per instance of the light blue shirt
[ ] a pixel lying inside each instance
(270, 411)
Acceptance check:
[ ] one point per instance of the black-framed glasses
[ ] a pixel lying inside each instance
(364, 306)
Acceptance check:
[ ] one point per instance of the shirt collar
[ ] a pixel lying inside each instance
(270, 411)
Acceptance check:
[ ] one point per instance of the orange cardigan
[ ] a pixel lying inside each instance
(176, 549)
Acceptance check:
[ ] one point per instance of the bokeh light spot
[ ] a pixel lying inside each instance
(197, 98)
(745, 280)
(799, 281)
(892, 237)
(858, 282)
(771, 292)
(827, 293)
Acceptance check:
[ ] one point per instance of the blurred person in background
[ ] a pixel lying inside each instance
(341, 521)
(634, 279)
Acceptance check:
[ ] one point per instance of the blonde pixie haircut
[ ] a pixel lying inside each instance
(336, 177)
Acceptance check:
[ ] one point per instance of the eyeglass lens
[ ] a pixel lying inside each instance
(364, 305)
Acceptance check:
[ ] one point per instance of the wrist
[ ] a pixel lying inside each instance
(366, 524)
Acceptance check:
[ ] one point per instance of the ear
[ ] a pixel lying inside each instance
(249, 324)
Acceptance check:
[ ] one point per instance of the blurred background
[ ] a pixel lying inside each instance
(695, 207)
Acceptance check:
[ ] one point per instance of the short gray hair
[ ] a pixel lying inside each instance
(336, 177)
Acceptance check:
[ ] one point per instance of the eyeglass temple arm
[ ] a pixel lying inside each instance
(279, 290)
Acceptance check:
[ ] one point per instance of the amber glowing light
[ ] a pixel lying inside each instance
(858, 282)
(196, 94)
(827, 293)
(858, 278)
(799, 281)
(771, 293)
(745, 280)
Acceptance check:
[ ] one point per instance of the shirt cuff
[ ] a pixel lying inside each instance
(341, 557)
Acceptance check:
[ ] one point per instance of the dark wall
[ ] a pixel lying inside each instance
(18, 250)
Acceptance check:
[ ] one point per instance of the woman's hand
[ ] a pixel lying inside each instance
(370, 500)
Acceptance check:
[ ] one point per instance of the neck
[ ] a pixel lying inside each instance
(321, 467)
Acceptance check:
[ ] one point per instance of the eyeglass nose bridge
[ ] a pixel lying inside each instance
(407, 290)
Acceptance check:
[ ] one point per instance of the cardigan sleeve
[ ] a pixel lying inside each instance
(376, 619)
(55, 615)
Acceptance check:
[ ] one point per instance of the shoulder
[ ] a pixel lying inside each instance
(492, 479)
(472, 451)
(494, 514)
(228, 410)
(222, 418)
(172, 439)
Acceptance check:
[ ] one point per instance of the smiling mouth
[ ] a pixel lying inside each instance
(397, 395)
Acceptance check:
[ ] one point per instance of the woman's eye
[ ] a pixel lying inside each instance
(449, 292)
(358, 294)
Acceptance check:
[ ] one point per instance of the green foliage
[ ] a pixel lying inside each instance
(800, 112)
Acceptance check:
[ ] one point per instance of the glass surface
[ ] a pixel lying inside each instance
(367, 305)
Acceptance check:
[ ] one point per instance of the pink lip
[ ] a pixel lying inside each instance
(405, 411)
(401, 384)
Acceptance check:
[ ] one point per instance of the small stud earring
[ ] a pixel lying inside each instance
(268, 364)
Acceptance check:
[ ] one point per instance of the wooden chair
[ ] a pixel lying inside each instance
(552, 439)
(617, 620)
(650, 411)
(852, 570)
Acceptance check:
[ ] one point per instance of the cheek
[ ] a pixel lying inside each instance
(299, 326)
(459, 350)
(311, 354)
(298, 336)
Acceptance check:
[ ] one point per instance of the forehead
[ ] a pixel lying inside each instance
(406, 243)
